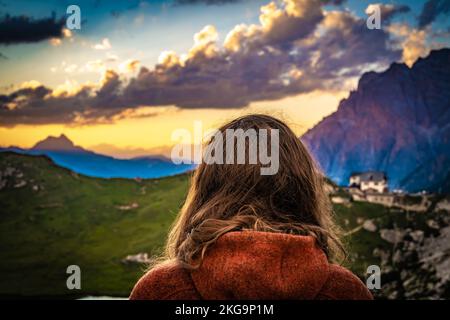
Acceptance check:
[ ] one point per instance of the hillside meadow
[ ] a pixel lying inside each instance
(52, 218)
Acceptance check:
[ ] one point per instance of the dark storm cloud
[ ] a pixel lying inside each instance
(23, 29)
(297, 48)
(38, 106)
(431, 10)
(348, 46)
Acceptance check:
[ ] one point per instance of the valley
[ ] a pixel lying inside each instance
(52, 217)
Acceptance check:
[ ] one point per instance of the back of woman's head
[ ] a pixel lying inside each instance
(228, 195)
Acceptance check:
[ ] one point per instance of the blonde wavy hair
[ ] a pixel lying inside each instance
(232, 197)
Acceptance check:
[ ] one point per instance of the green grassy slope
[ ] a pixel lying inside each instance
(74, 219)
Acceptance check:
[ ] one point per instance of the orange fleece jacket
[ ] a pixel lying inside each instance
(254, 265)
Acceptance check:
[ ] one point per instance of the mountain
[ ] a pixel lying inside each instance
(397, 121)
(66, 154)
(61, 143)
(130, 152)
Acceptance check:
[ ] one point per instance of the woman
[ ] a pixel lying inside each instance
(245, 235)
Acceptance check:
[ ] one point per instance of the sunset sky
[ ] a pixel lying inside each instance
(138, 70)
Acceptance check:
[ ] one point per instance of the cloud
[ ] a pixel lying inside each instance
(70, 88)
(417, 43)
(387, 11)
(28, 93)
(66, 33)
(24, 29)
(75, 104)
(95, 66)
(207, 2)
(129, 66)
(297, 47)
(103, 45)
(431, 10)
(413, 42)
(55, 42)
(71, 68)
(111, 57)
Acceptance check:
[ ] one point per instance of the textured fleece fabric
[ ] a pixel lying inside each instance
(254, 265)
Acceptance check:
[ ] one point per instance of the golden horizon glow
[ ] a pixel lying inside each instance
(134, 136)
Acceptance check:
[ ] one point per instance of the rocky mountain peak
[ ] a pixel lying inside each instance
(397, 121)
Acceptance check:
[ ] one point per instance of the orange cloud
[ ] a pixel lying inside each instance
(413, 42)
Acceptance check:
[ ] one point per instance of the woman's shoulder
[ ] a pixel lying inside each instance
(342, 284)
(165, 282)
(170, 281)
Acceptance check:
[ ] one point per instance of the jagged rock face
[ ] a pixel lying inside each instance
(418, 264)
(397, 121)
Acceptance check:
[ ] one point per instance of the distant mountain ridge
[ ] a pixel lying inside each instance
(66, 154)
(397, 121)
(61, 143)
